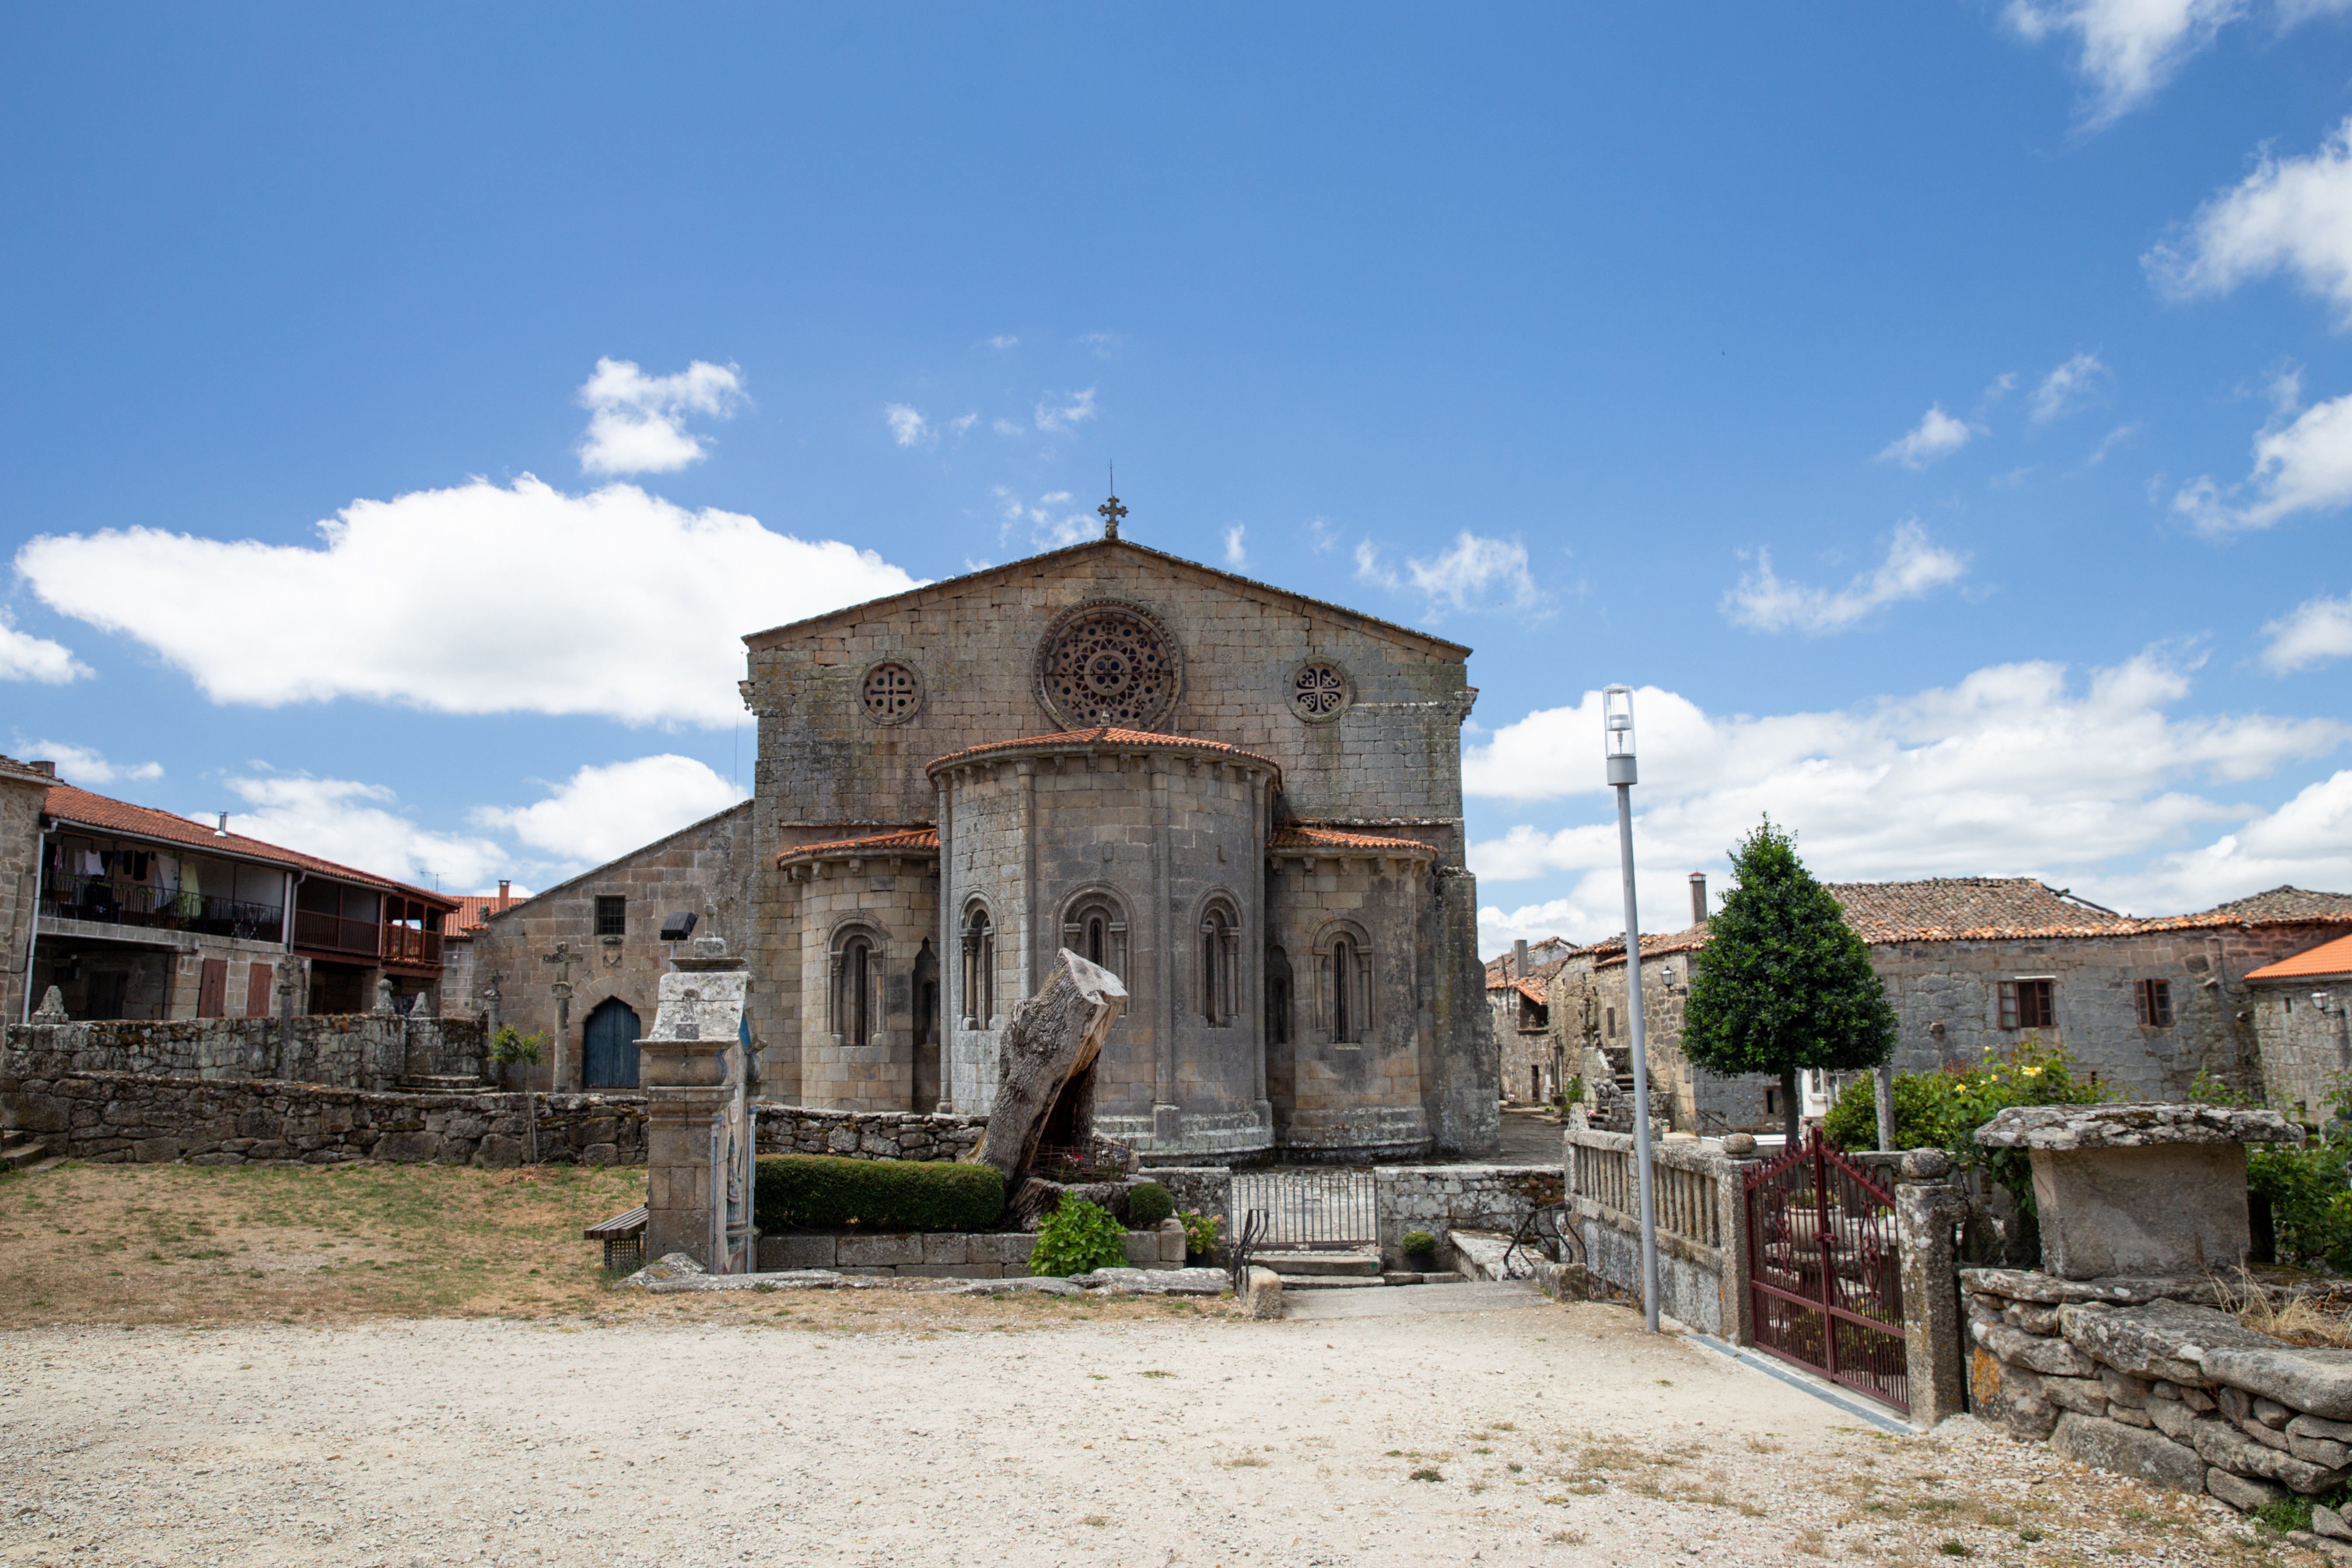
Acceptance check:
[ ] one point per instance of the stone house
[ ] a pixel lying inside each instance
(136, 913)
(2301, 1027)
(1245, 802)
(1532, 1065)
(1981, 964)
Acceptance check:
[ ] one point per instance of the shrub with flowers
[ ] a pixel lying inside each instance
(1944, 1109)
(2306, 1183)
(1202, 1231)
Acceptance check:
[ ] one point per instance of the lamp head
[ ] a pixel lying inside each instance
(1617, 733)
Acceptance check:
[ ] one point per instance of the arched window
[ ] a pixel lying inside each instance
(978, 970)
(1348, 982)
(1220, 944)
(1096, 930)
(856, 974)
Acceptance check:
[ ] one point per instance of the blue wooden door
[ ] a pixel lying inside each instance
(611, 1045)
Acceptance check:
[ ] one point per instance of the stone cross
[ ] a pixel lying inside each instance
(563, 958)
(1110, 512)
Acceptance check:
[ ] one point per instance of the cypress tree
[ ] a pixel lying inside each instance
(1784, 982)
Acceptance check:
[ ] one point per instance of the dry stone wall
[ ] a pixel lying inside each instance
(342, 1050)
(112, 1118)
(866, 1134)
(2145, 1378)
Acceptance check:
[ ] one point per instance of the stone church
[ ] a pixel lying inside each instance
(1245, 802)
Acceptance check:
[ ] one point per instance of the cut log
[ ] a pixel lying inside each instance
(1048, 1062)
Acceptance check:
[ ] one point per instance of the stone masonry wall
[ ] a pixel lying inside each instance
(1440, 1199)
(117, 1117)
(344, 1050)
(22, 795)
(2306, 1048)
(864, 1134)
(2143, 1377)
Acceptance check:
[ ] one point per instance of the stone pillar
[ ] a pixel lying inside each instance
(1731, 1198)
(693, 1071)
(1927, 1211)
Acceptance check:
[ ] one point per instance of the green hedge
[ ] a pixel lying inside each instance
(1147, 1205)
(823, 1190)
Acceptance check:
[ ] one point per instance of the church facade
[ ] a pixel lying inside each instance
(1245, 803)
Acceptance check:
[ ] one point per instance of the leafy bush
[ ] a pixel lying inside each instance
(2033, 1074)
(509, 1046)
(1920, 1100)
(1202, 1231)
(1148, 1204)
(1079, 1237)
(1416, 1241)
(826, 1189)
(1574, 1093)
(2310, 1199)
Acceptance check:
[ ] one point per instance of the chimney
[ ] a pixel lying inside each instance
(48, 768)
(505, 895)
(222, 831)
(1698, 898)
(1519, 959)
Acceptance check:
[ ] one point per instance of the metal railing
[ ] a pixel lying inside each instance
(1306, 1209)
(104, 901)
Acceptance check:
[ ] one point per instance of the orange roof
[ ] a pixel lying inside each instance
(1533, 990)
(83, 809)
(1106, 736)
(2328, 958)
(1613, 950)
(1333, 838)
(908, 841)
(473, 911)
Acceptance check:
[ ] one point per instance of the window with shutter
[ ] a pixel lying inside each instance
(257, 990)
(2153, 1002)
(212, 990)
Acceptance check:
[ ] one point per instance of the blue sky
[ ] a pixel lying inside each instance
(1942, 413)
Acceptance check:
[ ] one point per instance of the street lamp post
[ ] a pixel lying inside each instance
(1617, 710)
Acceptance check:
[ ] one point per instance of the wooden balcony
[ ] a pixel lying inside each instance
(365, 941)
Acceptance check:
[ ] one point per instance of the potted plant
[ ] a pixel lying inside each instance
(1420, 1249)
(1200, 1233)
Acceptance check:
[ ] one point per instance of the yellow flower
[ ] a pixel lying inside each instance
(2031, 1072)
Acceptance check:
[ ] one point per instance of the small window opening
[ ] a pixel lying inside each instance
(612, 916)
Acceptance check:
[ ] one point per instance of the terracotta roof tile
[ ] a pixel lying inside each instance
(2279, 906)
(1106, 736)
(473, 911)
(1957, 909)
(1333, 838)
(2328, 958)
(906, 841)
(106, 815)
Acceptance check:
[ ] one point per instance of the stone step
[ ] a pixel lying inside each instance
(1321, 1262)
(21, 1152)
(1329, 1281)
(466, 1084)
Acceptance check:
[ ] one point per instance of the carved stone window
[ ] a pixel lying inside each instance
(1096, 930)
(892, 693)
(1319, 692)
(1219, 965)
(1106, 663)
(857, 984)
(978, 970)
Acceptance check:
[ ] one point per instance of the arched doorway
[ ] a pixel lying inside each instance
(609, 1045)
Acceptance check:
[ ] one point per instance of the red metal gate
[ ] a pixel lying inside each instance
(1825, 1272)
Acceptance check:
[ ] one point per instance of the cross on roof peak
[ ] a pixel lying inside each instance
(1111, 511)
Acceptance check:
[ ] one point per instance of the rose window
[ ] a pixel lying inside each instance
(1109, 664)
(1319, 692)
(892, 693)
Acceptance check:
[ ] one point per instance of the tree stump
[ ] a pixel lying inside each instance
(1047, 1063)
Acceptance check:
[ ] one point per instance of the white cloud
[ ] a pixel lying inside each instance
(2129, 48)
(1475, 573)
(2069, 387)
(2014, 771)
(83, 766)
(1007, 428)
(1103, 344)
(1049, 524)
(478, 599)
(1937, 435)
(961, 423)
(1322, 535)
(1235, 556)
(600, 813)
(2112, 439)
(1914, 567)
(637, 423)
(350, 823)
(907, 426)
(2304, 465)
(1056, 411)
(2313, 632)
(23, 656)
(1002, 341)
(2291, 215)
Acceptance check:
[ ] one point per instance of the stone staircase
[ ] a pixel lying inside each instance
(22, 1151)
(1354, 1269)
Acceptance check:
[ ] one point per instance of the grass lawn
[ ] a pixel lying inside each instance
(186, 1244)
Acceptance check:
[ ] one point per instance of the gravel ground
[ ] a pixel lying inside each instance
(756, 1434)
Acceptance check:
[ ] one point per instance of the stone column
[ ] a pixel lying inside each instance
(1731, 1198)
(689, 1078)
(1928, 1210)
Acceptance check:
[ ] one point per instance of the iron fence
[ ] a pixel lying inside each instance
(1306, 1209)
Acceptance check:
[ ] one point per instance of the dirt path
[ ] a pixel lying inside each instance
(768, 1428)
